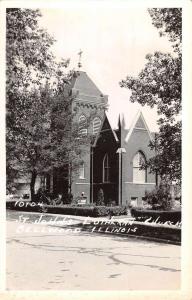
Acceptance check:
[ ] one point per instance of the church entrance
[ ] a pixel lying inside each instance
(110, 193)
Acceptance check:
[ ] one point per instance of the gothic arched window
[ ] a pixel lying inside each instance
(96, 125)
(82, 125)
(106, 168)
(139, 174)
(82, 171)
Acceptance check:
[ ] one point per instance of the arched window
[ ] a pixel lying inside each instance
(82, 171)
(139, 175)
(106, 168)
(96, 125)
(82, 125)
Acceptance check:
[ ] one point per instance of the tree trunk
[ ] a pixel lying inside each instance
(70, 182)
(32, 184)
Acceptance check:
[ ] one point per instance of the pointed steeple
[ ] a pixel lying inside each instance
(121, 131)
(121, 121)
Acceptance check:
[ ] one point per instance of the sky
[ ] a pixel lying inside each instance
(114, 41)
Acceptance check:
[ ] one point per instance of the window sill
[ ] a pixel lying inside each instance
(137, 182)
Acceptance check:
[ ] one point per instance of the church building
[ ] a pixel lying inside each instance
(114, 159)
(112, 162)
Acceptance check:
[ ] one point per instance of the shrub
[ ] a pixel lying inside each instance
(101, 211)
(78, 210)
(159, 198)
(87, 211)
(67, 199)
(100, 197)
(118, 210)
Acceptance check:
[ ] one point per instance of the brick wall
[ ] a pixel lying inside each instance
(138, 141)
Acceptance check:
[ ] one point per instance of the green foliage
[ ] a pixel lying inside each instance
(167, 145)
(100, 211)
(159, 85)
(100, 197)
(40, 135)
(169, 22)
(160, 197)
(84, 210)
(28, 54)
(28, 59)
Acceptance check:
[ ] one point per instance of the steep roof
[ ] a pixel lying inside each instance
(105, 125)
(83, 83)
(138, 123)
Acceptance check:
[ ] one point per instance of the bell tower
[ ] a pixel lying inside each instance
(89, 103)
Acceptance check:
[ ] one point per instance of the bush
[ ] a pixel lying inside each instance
(100, 197)
(87, 211)
(162, 216)
(78, 210)
(67, 199)
(118, 210)
(159, 198)
(101, 211)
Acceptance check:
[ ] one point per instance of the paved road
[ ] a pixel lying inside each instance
(39, 257)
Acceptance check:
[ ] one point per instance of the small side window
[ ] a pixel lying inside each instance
(82, 171)
(82, 125)
(96, 125)
(106, 168)
(139, 174)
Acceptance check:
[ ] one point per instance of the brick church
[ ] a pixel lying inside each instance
(112, 163)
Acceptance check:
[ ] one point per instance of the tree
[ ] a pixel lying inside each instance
(169, 22)
(40, 135)
(160, 197)
(159, 84)
(28, 55)
(45, 138)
